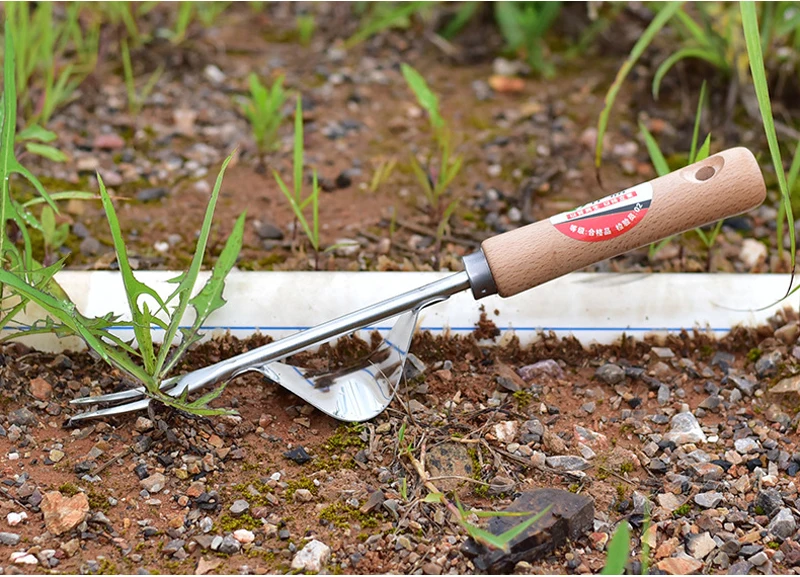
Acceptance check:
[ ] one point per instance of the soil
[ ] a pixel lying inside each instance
(527, 155)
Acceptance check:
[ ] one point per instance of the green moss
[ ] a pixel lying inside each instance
(759, 510)
(345, 437)
(754, 354)
(304, 483)
(774, 545)
(243, 490)
(340, 515)
(228, 523)
(682, 511)
(477, 490)
(523, 398)
(107, 567)
(622, 491)
(627, 467)
(603, 473)
(69, 489)
(98, 501)
(574, 488)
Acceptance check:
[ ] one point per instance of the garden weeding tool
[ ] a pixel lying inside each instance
(720, 186)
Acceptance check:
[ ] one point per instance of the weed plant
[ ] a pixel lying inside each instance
(264, 111)
(436, 187)
(298, 200)
(136, 99)
(23, 280)
(523, 26)
(695, 154)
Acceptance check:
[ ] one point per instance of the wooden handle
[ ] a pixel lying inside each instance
(718, 187)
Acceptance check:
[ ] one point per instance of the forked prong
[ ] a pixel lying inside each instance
(111, 411)
(130, 394)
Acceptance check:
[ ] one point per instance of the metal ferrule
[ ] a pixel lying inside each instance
(480, 276)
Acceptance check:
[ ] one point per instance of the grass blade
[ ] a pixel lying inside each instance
(663, 16)
(656, 156)
(697, 117)
(618, 551)
(753, 42)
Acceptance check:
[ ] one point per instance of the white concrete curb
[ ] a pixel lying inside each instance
(592, 307)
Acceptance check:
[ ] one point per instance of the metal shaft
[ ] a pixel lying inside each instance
(418, 298)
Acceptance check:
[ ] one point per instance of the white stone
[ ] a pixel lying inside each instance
(506, 431)
(23, 558)
(244, 536)
(752, 252)
(312, 557)
(16, 518)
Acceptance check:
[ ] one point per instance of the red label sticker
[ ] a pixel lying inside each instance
(608, 217)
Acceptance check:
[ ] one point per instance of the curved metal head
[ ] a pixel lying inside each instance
(358, 392)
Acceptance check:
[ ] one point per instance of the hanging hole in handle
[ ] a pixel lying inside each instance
(703, 171)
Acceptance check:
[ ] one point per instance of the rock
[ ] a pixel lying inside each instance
(431, 569)
(685, 429)
(752, 252)
(375, 499)
(506, 431)
(303, 496)
(62, 514)
(23, 558)
(662, 352)
(669, 501)
(205, 567)
(610, 374)
(244, 536)
(787, 385)
(9, 539)
(767, 365)
(708, 471)
(791, 552)
(229, 545)
(312, 557)
(154, 483)
(143, 424)
(709, 499)
(507, 378)
(597, 441)
(758, 559)
(546, 368)
(740, 568)
(743, 383)
(698, 546)
(239, 507)
(745, 446)
(449, 459)
(769, 501)
(570, 517)
(787, 333)
(267, 231)
(109, 141)
(151, 194)
(679, 566)
(783, 524)
(663, 395)
(15, 519)
(214, 74)
(21, 417)
(41, 389)
(568, 463)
